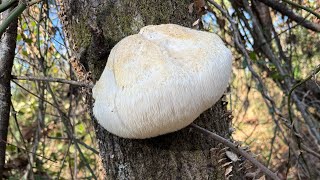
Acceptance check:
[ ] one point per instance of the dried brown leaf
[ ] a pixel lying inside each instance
(228, 171)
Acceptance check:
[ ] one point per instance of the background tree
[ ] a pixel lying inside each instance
(7, 47)
(182, 154)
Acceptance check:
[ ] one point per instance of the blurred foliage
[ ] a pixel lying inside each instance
(38, 146)
(257, 124)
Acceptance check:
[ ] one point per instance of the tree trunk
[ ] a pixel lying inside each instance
(93, 27)
(7, 49)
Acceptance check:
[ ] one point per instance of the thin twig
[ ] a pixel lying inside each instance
(49, 79)
(310, 151)
(237, 150)
(272, 143)
(65, 120)
(78, 141)
(87, 146)
(315, 71)
(22, 149)
(68, 126)
(238, 42)
(64, 159)
(293, 127)
(28, 91)
(302, 7)
(14, 113)
(283, 9)
(30, 3)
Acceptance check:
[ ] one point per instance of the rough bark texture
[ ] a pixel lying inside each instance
(93, 27)
(7, 49)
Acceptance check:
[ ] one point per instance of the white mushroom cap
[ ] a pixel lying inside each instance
(160, 80)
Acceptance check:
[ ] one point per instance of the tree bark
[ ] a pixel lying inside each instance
(7, 52)
(93, 27)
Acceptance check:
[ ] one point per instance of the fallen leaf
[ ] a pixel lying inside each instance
(232, 156)
(228, 171)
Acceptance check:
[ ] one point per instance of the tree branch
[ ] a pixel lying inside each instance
(302, 7)
(49, 79)
(6, 5)
(313, 129)
(283, 9)
(237, 150)
(7, 49)
(12, 17)
(238, 43)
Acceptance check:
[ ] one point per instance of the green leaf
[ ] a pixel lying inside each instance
(28, 40)
(19, 37)
(80, 128)
(253, 56)
(33, 24)
(276, 76)
(24, 26)
(296, 72)
(25, 53)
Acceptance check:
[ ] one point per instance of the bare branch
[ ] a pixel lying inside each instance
(237, 150)
(49, 79)
(302, 7)
(24, 150)
(283, 9)
(14, 113)
(310, 151)
(237, 40)
(313, 128)
(69, 130)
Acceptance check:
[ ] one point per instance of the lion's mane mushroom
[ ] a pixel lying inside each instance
(160, 80)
